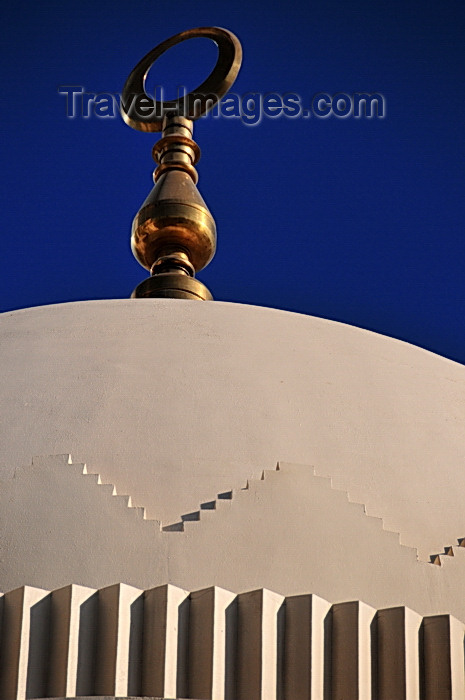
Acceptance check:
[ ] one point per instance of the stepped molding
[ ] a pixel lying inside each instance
(208, 508)
(455, 550)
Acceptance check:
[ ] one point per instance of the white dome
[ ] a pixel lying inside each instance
(175, 402)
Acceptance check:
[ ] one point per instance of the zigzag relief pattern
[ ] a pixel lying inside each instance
(139, 511)
(213, 644)
(224, 500)
(206, 509)
(124, 499)
(456, 550)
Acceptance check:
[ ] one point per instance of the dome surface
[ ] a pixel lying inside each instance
(175, 403)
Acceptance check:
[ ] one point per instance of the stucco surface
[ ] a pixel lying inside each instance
(174, 402)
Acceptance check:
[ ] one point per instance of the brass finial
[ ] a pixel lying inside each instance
(174, 233)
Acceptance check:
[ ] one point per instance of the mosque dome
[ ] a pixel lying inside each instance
(217, 501)
(274, 461)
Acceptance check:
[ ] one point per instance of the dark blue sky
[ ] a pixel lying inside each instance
(359, 221)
